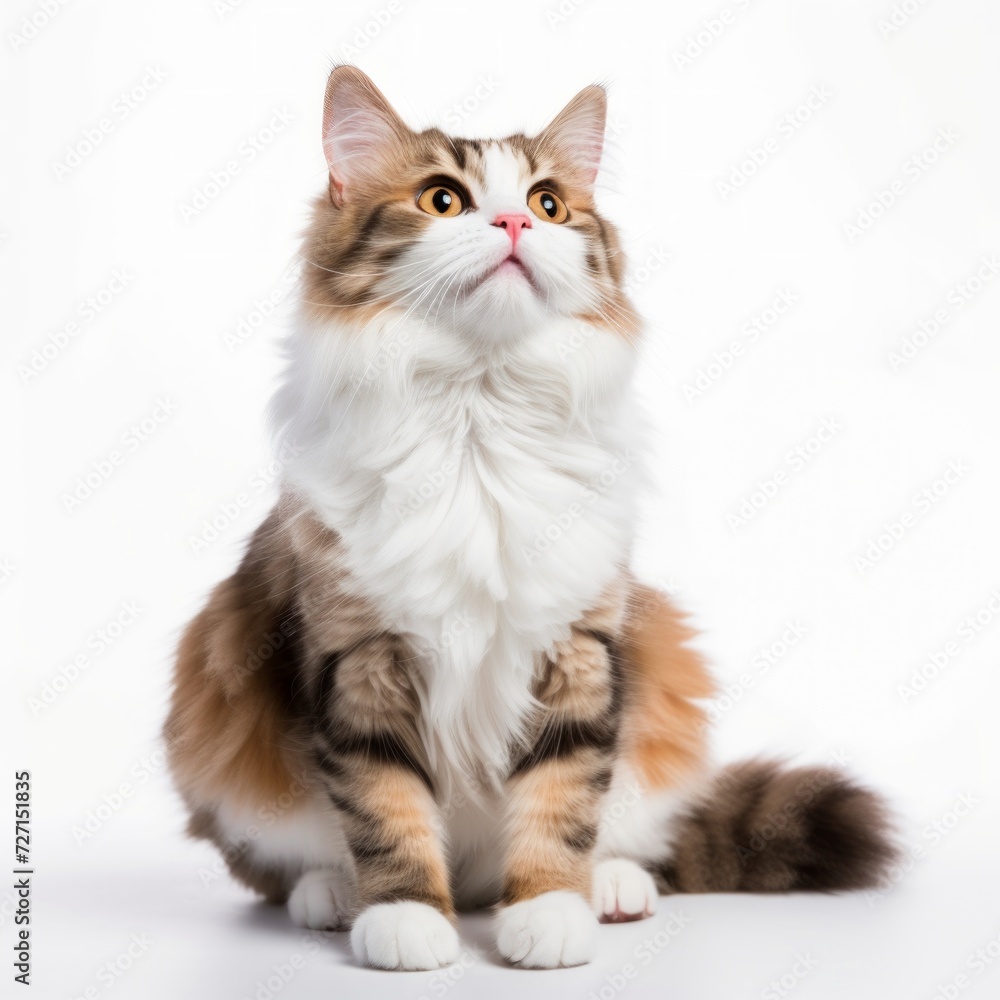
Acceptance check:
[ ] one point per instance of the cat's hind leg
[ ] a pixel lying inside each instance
(323, 899)
(623, 890)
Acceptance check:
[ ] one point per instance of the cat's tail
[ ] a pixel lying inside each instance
(764, 827)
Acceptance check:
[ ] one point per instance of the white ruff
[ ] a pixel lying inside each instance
(483, 502)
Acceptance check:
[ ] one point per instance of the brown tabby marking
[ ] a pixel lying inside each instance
(553, 796)
(336, 705)
(287, 683)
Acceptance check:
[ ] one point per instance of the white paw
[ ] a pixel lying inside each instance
(320, 901)
(549, 931)
(404, 935)
(623, 891)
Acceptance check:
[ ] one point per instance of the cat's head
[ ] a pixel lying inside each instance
(489, 237)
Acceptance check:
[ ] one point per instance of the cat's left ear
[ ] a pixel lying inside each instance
(575, 137)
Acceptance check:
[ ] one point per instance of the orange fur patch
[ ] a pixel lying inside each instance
(227, 736)
(667, 737)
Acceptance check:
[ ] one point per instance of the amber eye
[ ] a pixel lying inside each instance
(440, 200)
(548, 206)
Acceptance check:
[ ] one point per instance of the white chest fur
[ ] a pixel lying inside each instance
(483, 502)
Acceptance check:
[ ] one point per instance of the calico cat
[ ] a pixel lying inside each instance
(433, 682)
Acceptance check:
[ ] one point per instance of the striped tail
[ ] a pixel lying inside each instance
(762, 827)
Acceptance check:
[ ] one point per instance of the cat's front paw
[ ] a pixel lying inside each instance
(623, 891)
(552, 930)
(405, 935)
(321, 901)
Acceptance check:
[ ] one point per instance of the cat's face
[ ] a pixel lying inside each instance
(488, 237)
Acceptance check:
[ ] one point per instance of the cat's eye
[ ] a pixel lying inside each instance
(440, 200)
(548, 206)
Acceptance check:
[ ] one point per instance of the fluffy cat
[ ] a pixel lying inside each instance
(433, 681)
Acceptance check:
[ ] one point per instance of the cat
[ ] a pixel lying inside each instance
(434, 683)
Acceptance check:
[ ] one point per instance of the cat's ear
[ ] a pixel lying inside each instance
(575, 137)
(360, 128)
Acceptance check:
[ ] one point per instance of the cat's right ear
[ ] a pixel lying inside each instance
(359, 128)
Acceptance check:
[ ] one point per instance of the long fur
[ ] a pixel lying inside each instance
(433, 681)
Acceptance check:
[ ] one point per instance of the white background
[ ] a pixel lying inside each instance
(187, 329)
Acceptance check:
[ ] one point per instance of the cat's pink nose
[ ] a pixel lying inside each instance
(513, 223)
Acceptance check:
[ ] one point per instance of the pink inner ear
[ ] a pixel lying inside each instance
(593, 160)
(355, 140)
(583, 151)
(577, 133)
(359, 130)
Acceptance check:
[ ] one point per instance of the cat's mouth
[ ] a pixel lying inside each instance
(511, 267)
